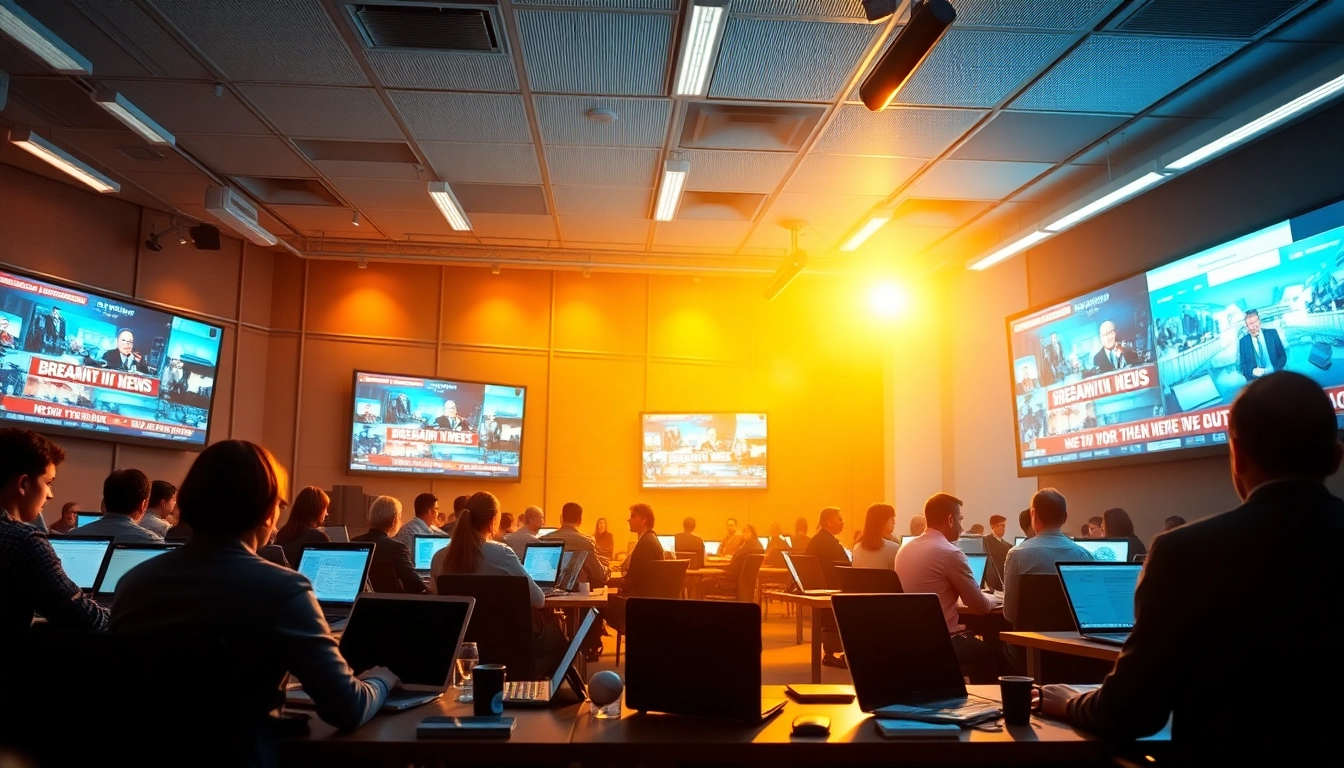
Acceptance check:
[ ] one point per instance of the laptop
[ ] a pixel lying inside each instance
(669, 543)
(712, 548)
(571, 566)
(978, 564)
(423, 549)
(971, 545)
(120, 560)
(878, 628)
(1106, 550)
(82, 557)
(337, 533)
(84, 518)
(543, 693)
(544, 532)
(1019, 540)
(337, 572)
(807, 574)
(415, 636)
(727, 660)
(1101, 598)
(541, 560)
(906, 539)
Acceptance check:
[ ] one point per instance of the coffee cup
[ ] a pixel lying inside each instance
(1015, 692)
(487, 682)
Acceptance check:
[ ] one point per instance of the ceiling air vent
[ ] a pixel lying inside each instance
(711, 125)
(426, 27)
(1203, 18)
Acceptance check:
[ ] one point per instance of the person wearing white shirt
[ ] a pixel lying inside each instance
(1049, 512)
(876, 549)
(162, 497)
(426, 512)
(528, 533)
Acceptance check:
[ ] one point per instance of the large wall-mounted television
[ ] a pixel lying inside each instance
(447, 427)
(86, 364)
(1147, 367)
(704, 450)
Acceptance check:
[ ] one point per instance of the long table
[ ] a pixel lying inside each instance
(1070, 643)
(570, 734)
(816, 605)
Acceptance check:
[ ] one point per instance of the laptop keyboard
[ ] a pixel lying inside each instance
(528, 690)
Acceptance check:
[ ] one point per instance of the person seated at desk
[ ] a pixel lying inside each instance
(829, 553)
(776, 545)
(876, 549)
(635, 571)
(306, 516)
(800, 538)
(215, 586)
(933, 563)
(388, 553)
(529, 531)
(726, 582)
(162, 496)
(69, 518)
(603, 540)
(1182, 659)
(31, 577)
(505, 526)
(917, 525)
(1049, 512)
(459, 509)
(1024, 522)
(596, 568)
(1115, 524)
(997, 548)
(687, 541)
(423, 524)
(732, 540)
(125, 499)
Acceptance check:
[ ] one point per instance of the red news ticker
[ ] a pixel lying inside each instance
(43, 290)
(1097, 387)
(1161, 428)
(121, 381)
(72, 413)
(448, 466)
(446, 436)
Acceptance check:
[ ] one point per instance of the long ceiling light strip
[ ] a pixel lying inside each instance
(58, 158)
(31, 34)
(1108, 200)
(669, 191)
(875, 222)
(134, 118)
(1011, 249)
(443, 197)
(700, 46)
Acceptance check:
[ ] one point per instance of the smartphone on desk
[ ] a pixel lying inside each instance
(465, 728)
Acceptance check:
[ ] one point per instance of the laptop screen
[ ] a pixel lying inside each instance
(669, 543)
(425, 548)
(337, 574)
(81, 559)
(806, 571)
(712, 547)
(978, 567)
(1101, 594)
(907, 628)
(1019, 540)
(337, 533)
(542, 561)
(906, 539)
(415, 638)
(125, 558)
(542, 532)
(971, 545)
(1106, 550)
(84, 518)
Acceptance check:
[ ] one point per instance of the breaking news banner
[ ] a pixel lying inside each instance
(704, 450)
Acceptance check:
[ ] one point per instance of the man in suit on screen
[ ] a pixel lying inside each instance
(450, 420)
(53, 331)
(1112, 356)
(123, 357)
(1261, 350)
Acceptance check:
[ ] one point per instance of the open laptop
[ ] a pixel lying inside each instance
(337, 572)
(84, 518)
(121, 559)
(541, 560)
(544, 532)
(571, 566)
(1106, 550)
(1101, 598)
(878, 628)
(907, 538)
(971, 544)
(543, 693)
(1019, 540)
(807, 574)
(712, 548)
(337, 533)
(669, 543)
(423, 549)
(415, 636)
(727, 660)
(978, 564)
(82, 557)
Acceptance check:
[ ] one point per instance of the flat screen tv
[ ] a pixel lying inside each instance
(704, 450)
(87, 364)
(448, 427)
(1147, 367)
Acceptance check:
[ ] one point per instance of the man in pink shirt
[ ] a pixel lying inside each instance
(932, 563)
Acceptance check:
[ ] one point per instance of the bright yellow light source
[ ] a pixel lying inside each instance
(888, 299)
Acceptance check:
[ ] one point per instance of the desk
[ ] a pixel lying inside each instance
(1070, 643)
(814, 604)
(595, 599)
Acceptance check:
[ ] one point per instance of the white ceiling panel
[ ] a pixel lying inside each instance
(417, 225)
(444, 71)
(975, 179)
(895, 132)
(619, 54)
(782, 60)
(638, 122)
(828, 217)
(485, 117)
(174, 188)
(620, 5)
(318, 221)
(118, 37)
(513, 226)
(595, 166)
(724, 236)
(894, 243)
(498, 163)
(814, 9)
(184, 107)
(246, 155)
(851, 175)
(608, 202)
(325, 113)
(596, 230)
(386, 194)
(360, 170)
(1038, 14)
(721, 171)
(1046, 137)
(980, 68)
(110, 149)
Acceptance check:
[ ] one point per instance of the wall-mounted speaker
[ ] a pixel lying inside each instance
(929, 21)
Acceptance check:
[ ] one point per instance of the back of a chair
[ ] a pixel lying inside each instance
(746, 581)
(383, 577)
(696, 560)
(1042, 606)
(665, 578)
(501, 622)
(868, 580)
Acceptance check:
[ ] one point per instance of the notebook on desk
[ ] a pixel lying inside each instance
(544, 693)
(82, 557)
(1101, 598)
(878, 628)
(337, 573)
(807, 575)
(121, 560)
(541, 560)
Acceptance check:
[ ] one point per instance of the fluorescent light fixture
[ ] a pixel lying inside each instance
(669, 192)
(1259, 125)
(239, 214)
(874, 223)
(1105, 201)
(133, 117)
(44, 150)
(443, 196)
(699, 46)
(29, 32)
(1015, 247)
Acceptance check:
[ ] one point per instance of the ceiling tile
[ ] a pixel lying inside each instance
(289, 41)
(1039, 14)
(1064, 185)
(1121, 74)
(619, 54)
(901, 242)
(510, 199)
(596, 166)
(246, 155)
(601, 230)
(109, 149)
(1041, 137)
(513, 227)
(1268, 68)
(620, 5)
(718, 235)
(1142, 141)
(828, 217)
(502, 163)
(326, 113)
(980, 68)
(386, 194)
(611, 202)
(183, 107)
(1322, 24)
(638, 123)
(736, 171)
(402, 224)
(484, 117)
(942, 214)
(444, 71)
(361, 170)
(62, 102)
(895, 132)
(975, 179)
(851, 175)
(788, 60)
(118, 37)
(174, 188)
(815, 9)
(316, 221)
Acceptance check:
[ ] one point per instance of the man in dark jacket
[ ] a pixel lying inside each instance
(829, 553)
(392, 569)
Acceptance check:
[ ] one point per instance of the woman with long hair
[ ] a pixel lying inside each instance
(1115, 524)
(605, 545)
(505, 526)
(306, 516)
(876, 549)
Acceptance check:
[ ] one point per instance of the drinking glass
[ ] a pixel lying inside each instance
(467, 657)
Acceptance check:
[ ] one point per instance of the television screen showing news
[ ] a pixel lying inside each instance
(94, 366)
(1151, 363)
(704, 450)
(419, 426)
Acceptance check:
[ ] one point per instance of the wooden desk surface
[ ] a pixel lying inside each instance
(1071, 643)
(823, 601)
(595, 599)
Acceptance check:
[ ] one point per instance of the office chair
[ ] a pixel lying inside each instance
(666, 579)
(501, 622)
(868, 580)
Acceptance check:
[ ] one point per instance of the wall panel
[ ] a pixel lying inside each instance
(181, 276)
(603, 313)
(511, 309)
(391, 300)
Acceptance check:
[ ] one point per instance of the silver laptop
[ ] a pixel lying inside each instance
(971, 544)
(423, 550)
(82, 557)
(1101, 598)
(541, 693)
(338, 573)
(119, 562)
(541, 560)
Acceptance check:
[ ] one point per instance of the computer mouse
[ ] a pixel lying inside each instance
(811, 725)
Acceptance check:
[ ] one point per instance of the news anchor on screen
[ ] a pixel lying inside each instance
(123, 357)
(1112, 356)
(450, 420)
(1262, 351)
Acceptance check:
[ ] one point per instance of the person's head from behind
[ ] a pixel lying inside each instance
(749, 536)
(236, 489)
(309, 509)
(1282, 427)
(800, 526)
(505, 525)
(641, 518)
(1049, 510)
(1086, 530)
(878, 524)
(1175, 521)
(688, 525)
(427, 507)
(1115, 523)
(774, 531)
(998, 525)
(942, 513)
(28, 464)
(534, 519)
(977, 530)
(459, 504)
(1024, 522)
(478, 524)
(918, 524)
(571, 514)
(385, 514)
(126, 492)
(730, 525)
(831, 520)
(162, 495)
